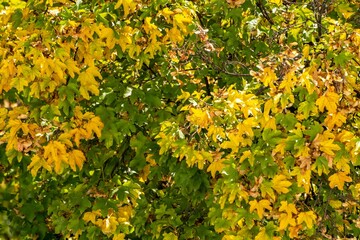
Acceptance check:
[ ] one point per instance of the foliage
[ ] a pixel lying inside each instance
(162, 119)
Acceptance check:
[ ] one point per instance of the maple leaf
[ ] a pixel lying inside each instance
(78, 134)
(65, 138)
(247, 155)
(342, 163)
(280, 184)
(119, 236)
(91, 216)
(76, 158)
(308, 217)
(268, 77)
(288, 208)
(215, 166)
(338, 180)
(128, 5)
(88, 82)
(286, 219)
(36, 164)
(262, 235)
(334, 119)
(294, 231)
(303, 178)
(329, 101)
(95, 125)
(200, 118)
(266, 189)
(55, 153)
(260, 206)
(328, 147)
(181, 21)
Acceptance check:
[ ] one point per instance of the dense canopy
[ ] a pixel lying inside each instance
(214, 119)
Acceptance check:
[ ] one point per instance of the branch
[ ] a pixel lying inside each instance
(264, 12)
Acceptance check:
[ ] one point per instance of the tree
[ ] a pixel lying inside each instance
(179, 119)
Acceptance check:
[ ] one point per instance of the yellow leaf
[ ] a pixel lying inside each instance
(124, 214)
(170, 236)
(267, 107)
(181, 21)
(144, 173)
(268, 77)
(91, 216)
(260, 206)
(166, 13)
(303, 178)
(329, 101)
(184, 96)
(88, 82)
(288, 208)
(55, 153)
(65, 138)
(338, 180)
(262, 235)
(36, 164)
(334, 119)
(216, 132)
(280, 184)
(286, 219)
(245, 155)
(294, 231)
(76, 158)
(78, 134)
(335, 204)
(288, 82)
(277, 2)
(109, 225)
(95, 125)
(215, 166)
(345, 136)
(128, 5)
(328, 147)
(342, 163)
(120, 236)
(200, 117)
(308, 217)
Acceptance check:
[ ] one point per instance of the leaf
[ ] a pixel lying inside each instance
(260, 206)
(262, 235)
(335, 119)
(95, 125)
(288, 208)
(303, 178)
(55, 153)
(280, 184)
(128, 5)
(88, 82)
(268, 77)
(308, 217)
(76, 158)
(215, 166)
(321, 165)
(338, 180)
(328, 147)
(119, 236)
(170, 236)
(91, 216)
(266, 189)
(329, 101)
(36, 164)
(286, 219)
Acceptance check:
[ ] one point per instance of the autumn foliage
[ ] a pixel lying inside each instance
(216, 119)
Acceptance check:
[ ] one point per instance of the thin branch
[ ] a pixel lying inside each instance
(264, 12)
